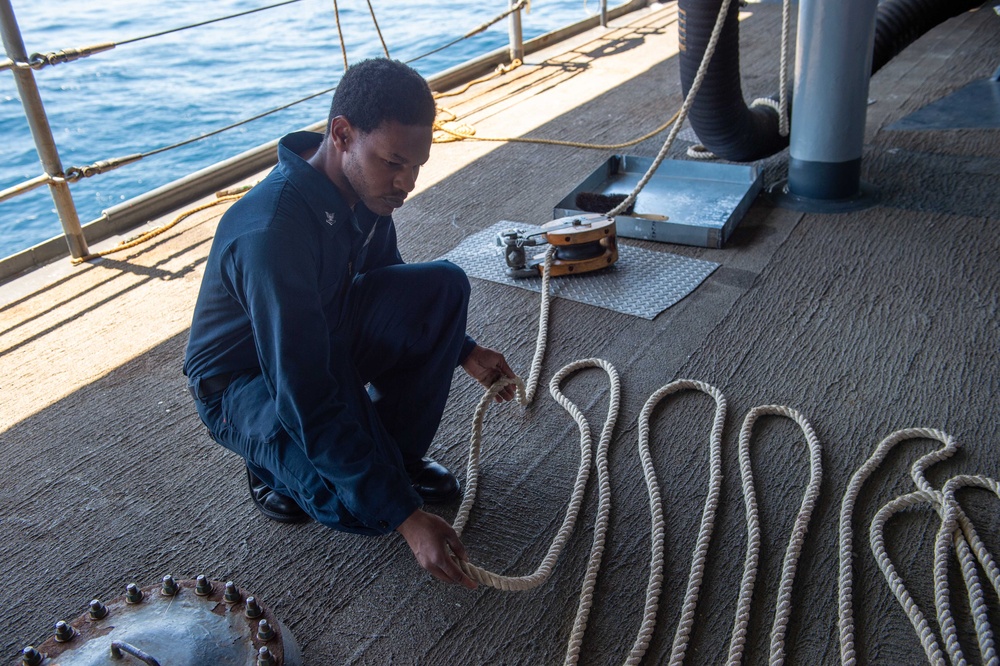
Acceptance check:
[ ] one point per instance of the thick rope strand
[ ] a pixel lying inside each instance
(681, 115)
(927, 639)
(783, 605)
(966, 543)
(845, 581)
(648, 625)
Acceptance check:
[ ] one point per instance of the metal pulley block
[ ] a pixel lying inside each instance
(177, 623)
(582, 243)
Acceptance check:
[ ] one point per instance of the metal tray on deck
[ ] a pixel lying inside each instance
(703, 201)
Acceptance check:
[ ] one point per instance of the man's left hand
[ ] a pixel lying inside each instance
(486, 367)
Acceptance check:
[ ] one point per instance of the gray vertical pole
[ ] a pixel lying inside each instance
(604, 13)
(514, 31)
(41, 132)
(830, 102)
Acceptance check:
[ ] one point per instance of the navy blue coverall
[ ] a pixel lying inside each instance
(304, 301)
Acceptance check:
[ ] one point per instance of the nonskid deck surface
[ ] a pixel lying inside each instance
(865, 322)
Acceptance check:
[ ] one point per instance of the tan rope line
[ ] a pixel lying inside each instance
(385, 48)
(556, 142)
(153, 233)
(500, 69)
(340, 33)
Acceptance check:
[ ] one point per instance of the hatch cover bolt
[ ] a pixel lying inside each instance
(232, 595)
(133, 595)
(97, 610)
(203, 587)
(264, 631)
(64, 632)
(31, 657)
(264, 657)
(169, 588)
(253, 608)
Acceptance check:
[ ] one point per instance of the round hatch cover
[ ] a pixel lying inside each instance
(177, 623)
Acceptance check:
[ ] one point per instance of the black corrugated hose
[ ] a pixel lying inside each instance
(899, 23)
(720, 116)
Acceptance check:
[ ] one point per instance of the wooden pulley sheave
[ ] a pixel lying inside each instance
(581, 243)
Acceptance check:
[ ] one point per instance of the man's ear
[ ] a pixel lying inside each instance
(341, 133)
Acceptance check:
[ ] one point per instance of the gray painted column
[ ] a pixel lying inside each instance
(830, 103)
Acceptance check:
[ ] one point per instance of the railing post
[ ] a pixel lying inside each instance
(604, 13)
(514, 30)
(41, 132)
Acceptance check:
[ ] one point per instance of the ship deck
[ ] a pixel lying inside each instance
(865, 322)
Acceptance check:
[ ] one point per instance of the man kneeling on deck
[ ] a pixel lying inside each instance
(306, 300)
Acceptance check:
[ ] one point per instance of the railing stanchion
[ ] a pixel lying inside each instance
(514, 30)
(604, 13)
(41, 132)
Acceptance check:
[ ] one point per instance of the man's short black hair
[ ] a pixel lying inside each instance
(374, 91)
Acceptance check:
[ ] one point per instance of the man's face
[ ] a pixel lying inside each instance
(382, 165)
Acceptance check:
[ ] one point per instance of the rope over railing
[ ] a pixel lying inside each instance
(518, 6)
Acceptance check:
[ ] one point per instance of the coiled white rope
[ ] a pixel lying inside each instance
(965, 540)
(525, 392)
(846, 579)
(956, 528)
(781, 106)
(696, 573)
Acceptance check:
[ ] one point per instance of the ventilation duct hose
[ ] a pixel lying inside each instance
(899, 23)
(720, 116)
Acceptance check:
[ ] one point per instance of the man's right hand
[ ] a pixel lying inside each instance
(430, 537)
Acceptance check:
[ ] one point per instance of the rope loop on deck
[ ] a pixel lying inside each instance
(956, 530)
(848, 657)
(783, 605)
(700, 555)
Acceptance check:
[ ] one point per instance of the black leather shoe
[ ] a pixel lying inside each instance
(274, 505)
(433, 482)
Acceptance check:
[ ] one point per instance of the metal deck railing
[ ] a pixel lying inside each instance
(77, 237)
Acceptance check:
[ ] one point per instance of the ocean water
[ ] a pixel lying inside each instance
(156, 92)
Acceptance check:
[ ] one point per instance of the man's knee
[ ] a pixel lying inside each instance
(451, 279)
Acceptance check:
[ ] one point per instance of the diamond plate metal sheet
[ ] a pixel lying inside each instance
(643, 283)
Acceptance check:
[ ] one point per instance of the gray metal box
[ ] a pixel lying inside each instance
(703, 201)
